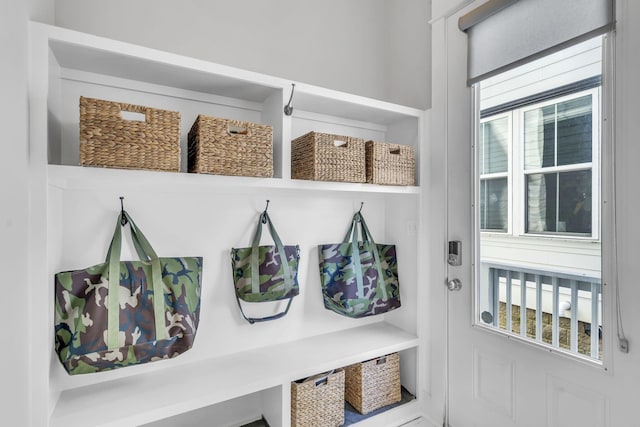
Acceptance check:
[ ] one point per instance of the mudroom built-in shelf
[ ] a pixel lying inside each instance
(155, 395)
(233, 365)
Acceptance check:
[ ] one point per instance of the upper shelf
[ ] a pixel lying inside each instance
(129, 62)
(156, 395)
(70, 64)
(349, 106)
(83, 178)
(89, 53)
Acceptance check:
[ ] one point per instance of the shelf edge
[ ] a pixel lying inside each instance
(96, 178)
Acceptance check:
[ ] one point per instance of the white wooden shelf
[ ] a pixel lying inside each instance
(71, 202)
(83, 178)
(85, 52)
(86, 65)
(148, 397)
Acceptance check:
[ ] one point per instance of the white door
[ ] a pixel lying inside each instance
(494, 379)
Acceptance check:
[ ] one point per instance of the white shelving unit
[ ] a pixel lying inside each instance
(235, 371)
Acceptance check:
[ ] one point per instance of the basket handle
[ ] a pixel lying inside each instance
(237, 129)
(132, 113)
(320, 379)
(394, 150)
(132, 116)
(339, 143)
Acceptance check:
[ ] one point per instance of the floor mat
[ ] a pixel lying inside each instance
(352, 416)
(259, 423)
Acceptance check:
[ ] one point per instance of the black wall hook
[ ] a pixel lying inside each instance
(123, 217)
(358, 215)
(264, 213)
(288, 109)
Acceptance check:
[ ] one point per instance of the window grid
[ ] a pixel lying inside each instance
(517, 174)
(486, 177)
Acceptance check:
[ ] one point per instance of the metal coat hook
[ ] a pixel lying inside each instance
(288, 109)
(264, 213)
(123, 217)
(360, 211)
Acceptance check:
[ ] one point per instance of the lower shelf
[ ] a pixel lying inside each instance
(351, 416)
(182, 388)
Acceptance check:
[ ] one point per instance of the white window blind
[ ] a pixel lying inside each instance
(504, 34)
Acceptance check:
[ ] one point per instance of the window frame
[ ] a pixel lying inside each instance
(516, 173)
(487, 176)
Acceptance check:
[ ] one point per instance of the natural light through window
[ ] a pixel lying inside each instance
(538, 194)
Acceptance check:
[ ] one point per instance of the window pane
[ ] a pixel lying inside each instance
(494, 202)
(574, 131)
(575, 202)
(541, 202)
(559, 202)
(539, 137)
(494, 145)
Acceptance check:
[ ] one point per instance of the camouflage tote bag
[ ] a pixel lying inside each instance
(265, 273)
(359, 278)
(122, 313)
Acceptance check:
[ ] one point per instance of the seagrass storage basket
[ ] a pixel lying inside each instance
(390, 164)
(230, 147)
(109, 139)
(318, 401)
(325, 157)
(373, 384)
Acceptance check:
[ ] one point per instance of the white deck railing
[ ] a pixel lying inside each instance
(577, 298)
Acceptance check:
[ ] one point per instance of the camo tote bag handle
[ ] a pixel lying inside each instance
(146, 253)
(255, 270)
(359, 222)
(140, 243)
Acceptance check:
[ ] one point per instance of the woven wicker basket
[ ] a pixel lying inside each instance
(318, 401)
(230, 147)
(109, 140)
(391, 164)
(324, 157)
(373, 384)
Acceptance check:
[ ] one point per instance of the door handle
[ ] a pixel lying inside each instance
(454, 285)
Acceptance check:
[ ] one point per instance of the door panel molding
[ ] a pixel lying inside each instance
(572, 404)
(494, 382)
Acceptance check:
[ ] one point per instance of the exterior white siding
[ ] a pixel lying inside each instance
(576, 63)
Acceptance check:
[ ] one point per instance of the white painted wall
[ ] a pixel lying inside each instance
(14, 208)
(408, 56)
(13, 215)
(374, 48)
